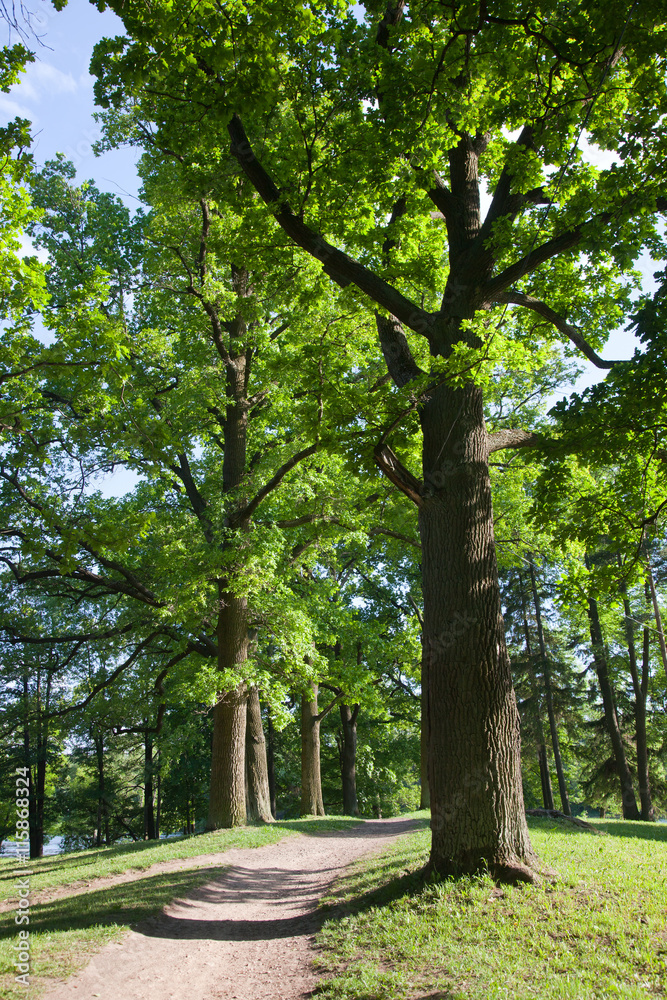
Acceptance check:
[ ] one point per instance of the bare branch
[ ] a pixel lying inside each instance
(571, 332)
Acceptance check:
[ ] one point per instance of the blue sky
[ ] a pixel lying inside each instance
(56, 94)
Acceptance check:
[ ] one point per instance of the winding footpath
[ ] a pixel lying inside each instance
(245, 935)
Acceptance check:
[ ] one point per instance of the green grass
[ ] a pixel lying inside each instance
(599, 932)
(65, 932)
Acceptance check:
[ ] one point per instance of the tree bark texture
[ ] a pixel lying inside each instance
(258, 804)
(477, 812)
(424, 737)
(548, 691)
(348, 764)
(271, 765)
(227, 806)
(312, 803)
(628, 800)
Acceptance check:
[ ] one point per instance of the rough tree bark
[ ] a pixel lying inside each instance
(628, 800)
(271, 765)
(548, 691)
(258, 796)
(348, 763)
(312, 803)
(477, 813)
(424, 737)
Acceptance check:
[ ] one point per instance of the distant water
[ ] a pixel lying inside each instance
(51, 846)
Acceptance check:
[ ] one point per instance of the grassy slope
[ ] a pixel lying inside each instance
(65, 932)
(599, 932)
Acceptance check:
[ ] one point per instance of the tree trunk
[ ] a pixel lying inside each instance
(477, 811)
(271, 765)
(424, 734)
(548, 691)
(149, 807)
(348, 764)
(227, 806)
(542, 756)
(312, 803)
(158, 796)
(629, 802)
(658, 617)
(99, 753)
(258, 803)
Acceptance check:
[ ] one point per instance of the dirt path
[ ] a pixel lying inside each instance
(244, 936)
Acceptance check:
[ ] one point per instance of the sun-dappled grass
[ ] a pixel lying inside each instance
(599, 931)
(67, 930)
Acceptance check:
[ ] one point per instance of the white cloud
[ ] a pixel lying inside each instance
(41, 80)
(10, 109)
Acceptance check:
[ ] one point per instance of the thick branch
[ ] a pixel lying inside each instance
(397, 473)
(513, 439)
(401, 364)
(343, 269)
(571, 332)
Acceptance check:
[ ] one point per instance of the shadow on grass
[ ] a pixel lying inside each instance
(120, 905)
(633, 828)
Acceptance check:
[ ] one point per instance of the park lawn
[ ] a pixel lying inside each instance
(599, 931)
(65, 932)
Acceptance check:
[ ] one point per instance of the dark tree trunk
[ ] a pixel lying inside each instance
(227, 805)
(548, 691)
(227, 801)
(542, 756)
(149, 805)
(158, 796)
(271, 765)
(101, 805)
(640, 687)
(424, 734)
(348, 764)
(658, 617)
(312, 803)
(258, 803)
(629, 802)
(477, 811)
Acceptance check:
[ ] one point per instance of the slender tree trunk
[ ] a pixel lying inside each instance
(640, 687)
(149, 805)
(99, 753)
(348, 718)
(312, 803)
(542, 756)
(658, 617)
(425, 728)
(629, 802)
(258, 803)
(477, 811)
(548, 691)
(227, 806)
(158, 807)
(271, 765)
